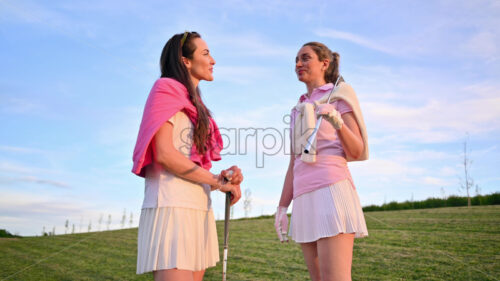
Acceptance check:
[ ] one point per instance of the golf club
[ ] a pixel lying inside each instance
(311, 138)
(226, 225)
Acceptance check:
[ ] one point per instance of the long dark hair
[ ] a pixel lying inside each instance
(332, 72)
(181, 45)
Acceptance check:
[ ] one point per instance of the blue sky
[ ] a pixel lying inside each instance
(74, 77)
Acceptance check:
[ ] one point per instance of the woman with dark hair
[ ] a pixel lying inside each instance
(326, 214)
(177, 141)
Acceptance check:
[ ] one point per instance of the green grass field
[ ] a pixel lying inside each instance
(426, 244)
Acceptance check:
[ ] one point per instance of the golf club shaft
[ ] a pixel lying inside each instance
(226, 234)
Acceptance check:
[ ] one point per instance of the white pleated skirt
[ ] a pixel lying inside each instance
(172, 237)
(327, 212)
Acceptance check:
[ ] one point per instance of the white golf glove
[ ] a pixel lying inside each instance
(281, 223)
(330, 114)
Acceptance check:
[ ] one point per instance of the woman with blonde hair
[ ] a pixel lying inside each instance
(177, 141)
(326, 214)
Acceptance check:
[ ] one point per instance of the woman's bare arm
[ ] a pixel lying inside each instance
(175, 162)
(350, 136)
(287, 192)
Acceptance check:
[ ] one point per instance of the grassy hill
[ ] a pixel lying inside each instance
(426, 244)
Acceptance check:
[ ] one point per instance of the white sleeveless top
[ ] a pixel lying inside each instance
(164, 189)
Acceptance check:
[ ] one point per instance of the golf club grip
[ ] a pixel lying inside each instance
(311, 138)
(227, 217)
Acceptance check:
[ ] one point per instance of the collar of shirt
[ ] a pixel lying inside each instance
(318, 92)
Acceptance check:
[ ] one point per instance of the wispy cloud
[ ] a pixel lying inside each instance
(437, 181)
(39, 208)
(33, 13)
(11, 167)
(22, 106)
(435, 121)
(484, 44)
(354, 38)
(36, 180)
(18, 149)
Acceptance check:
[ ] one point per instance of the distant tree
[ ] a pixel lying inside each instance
(43, 231)
(124, 218)
(66, 226)
(54, 230)
(109, 220)
(467, 182)
(90, 226)
(73, 229)
(100, 221)
(6, 234)
(131, 220)
(81, 223)
(247, 203)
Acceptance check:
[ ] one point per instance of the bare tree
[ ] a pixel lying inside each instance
(66, 226)
(131, 220)
(90, 226)
(247, 203)
(124, 218)
(467, 182)
(43, 231)
(109, 220)
(54, 230)
(73, 229)
(100, 221)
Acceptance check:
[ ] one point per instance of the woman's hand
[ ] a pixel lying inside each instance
(329, 112)
(234, 189)
(236, 178)
(281, 223)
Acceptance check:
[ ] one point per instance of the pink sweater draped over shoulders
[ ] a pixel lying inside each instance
(167, 97)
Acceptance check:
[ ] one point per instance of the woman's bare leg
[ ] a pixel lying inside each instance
(335, 257)
(310, 252)
(198, 275)
(173, 275)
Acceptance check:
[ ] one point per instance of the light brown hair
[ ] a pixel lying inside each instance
(322, 51)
